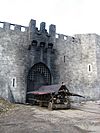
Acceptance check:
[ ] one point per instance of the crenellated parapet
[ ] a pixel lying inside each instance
(40, 35)
(43, 37)
(34, 29)
(9, 26)
(71, 39)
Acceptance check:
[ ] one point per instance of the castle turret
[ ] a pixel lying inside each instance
(42, 27)
(52, 33)
(52, 30)
(32, 26)
(32, 29)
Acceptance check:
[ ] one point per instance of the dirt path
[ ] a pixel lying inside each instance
(82, 118)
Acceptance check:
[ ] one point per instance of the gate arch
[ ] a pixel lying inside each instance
(38, 75)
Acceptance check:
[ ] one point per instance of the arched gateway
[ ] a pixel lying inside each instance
(38, 75)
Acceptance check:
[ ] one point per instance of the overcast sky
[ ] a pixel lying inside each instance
(70, 16)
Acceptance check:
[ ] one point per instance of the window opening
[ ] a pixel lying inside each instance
(89, 67)
(13, 82)
(50, 45)
(34, 43)
(42, 44)
(64, 58)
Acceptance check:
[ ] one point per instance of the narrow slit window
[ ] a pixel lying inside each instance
(89, 67)
(64, 58)
(13, 82)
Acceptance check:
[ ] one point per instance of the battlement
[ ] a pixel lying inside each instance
(34, 29)
(9, 26)
(67, 38)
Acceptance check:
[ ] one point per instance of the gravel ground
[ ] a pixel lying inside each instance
(82, 118)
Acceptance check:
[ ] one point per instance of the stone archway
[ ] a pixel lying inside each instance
(38, 75)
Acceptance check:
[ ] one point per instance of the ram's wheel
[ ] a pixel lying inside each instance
(69, 106)
(33, 102)
(40, 104)
(67, 103)
(50, 106)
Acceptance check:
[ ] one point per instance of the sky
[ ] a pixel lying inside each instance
(69, 16)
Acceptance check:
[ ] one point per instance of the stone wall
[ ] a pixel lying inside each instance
(89, 65)
(13, 64)
(77, 64)
(69, 61)
(98, 64)
(74, 60)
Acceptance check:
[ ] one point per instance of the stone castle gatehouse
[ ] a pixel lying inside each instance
(32, 57)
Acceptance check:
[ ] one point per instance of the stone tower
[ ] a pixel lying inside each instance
(78, 63)
(27, 59)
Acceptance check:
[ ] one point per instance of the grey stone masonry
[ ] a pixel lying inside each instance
(77, 64)
(13, 64)
(28, 54)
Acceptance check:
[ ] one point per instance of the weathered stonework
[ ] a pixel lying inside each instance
(33, 57)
